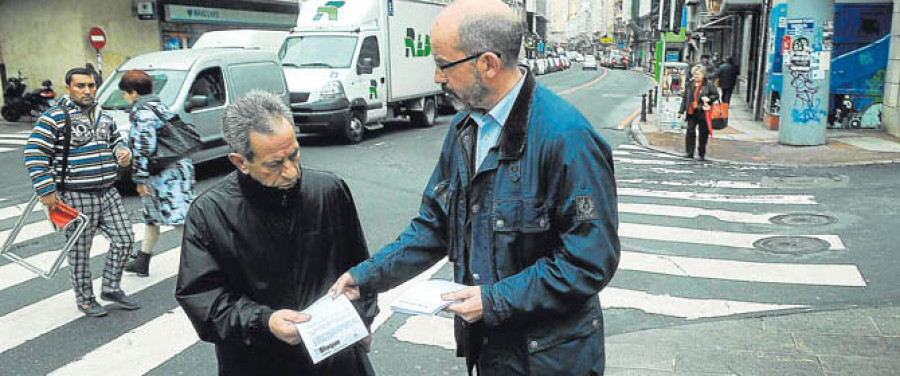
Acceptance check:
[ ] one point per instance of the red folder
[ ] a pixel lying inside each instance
(63, 215)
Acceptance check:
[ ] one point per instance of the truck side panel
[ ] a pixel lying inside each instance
(411, 65)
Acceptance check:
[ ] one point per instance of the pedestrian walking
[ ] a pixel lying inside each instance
(728, 73)
(72, 156)
(268, 240)
(698, 96)
(710, 69)
(522, 202)
(165, 195)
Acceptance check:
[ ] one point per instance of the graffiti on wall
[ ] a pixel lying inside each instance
(807, 108)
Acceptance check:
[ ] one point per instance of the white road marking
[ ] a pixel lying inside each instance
(4, 150)
(695, 183)
(139, 350)
(428, 330)
(60, 309)
(13, 274)
(708, 237)
(386, 298)
(692, 212)
(12, 141)
(801, 274)
(688, 308)
(644, 153)
(657, 170)
(733, 199)
(651, 161)
(14, 211)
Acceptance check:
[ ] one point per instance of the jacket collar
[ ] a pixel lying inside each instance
(515, 131)
(268, 198)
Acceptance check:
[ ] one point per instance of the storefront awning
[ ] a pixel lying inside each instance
(715, 24)
(739, 5)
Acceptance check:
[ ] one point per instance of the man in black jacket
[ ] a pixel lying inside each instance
(265, 243)
(728, 73)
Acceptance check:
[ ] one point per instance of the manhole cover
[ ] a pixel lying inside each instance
(803, 219)
(791, 245)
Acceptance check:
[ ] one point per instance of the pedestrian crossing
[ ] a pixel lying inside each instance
(689, 253)
(10, 142)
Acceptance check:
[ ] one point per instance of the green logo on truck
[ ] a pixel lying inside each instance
(414, 45)
(373, 89)
(330, 9)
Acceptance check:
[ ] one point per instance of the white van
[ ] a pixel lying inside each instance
(352, 64)
(197, 84)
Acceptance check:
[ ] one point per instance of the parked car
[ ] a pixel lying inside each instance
(589, 63)
(617, 60)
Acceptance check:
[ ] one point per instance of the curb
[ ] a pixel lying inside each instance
(637, 134)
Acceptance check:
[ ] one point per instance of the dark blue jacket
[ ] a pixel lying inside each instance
(536, 227)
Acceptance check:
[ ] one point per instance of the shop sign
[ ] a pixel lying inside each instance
(185, 13)
(797, 26)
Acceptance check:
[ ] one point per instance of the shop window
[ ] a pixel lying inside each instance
(869, 24)
(369, 49)
(210, 84)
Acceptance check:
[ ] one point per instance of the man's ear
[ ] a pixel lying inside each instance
(239, 162)
(492, 65)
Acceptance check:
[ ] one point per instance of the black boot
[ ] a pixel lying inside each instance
(139, 265)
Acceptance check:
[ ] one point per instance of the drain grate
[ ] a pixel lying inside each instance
(803, 219)
(791, 245)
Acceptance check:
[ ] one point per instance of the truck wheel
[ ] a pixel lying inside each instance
(353, 133)
(425, 119)
(9, 113)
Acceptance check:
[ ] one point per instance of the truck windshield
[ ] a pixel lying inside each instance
(166, 84)
(318, 51)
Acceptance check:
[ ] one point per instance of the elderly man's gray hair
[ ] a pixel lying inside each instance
(492, 33)
(257, 112)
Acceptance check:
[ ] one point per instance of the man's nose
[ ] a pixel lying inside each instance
(291, 171)
(439, 76)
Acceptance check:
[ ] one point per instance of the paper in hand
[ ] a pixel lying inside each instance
(425, 298)
(334, 325)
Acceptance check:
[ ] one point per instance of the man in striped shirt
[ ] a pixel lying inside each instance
(95, 150)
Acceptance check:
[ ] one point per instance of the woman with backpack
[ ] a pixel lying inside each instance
(167, 194)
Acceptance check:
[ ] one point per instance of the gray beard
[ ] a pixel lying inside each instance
(470, 101)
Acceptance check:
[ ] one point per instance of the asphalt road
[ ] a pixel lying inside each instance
(694, 239)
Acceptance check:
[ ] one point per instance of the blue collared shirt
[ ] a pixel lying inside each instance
(491, 123)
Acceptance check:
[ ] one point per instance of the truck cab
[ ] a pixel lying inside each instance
(351, 65)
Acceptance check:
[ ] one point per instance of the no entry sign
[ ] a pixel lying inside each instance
(97, 38)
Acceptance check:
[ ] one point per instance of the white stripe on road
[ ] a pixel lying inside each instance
(14, 211)
(13, 274)
(644, 153)
(708, 237)
(4, 150)
(12, 141)
(734, 199)
(688, 308)
(657, 170)
(31, 231)
(140, 350)
(34, 320)
(651, 161)
(695, 183)
(692, 212)
(428, 330)
(801, 274)
(18, 136)
(386, 298)
(632, 147)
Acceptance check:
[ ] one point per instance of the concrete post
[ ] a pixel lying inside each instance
(804, 109)
(890, 113)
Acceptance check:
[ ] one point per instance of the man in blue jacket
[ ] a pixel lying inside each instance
(522, 202)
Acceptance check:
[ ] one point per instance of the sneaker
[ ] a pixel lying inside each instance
(121, 299)
(92, 309)
(702, 158)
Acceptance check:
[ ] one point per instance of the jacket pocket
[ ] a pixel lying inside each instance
(572, 346)
(518, 215)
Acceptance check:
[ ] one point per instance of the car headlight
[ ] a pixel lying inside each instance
(332, 90)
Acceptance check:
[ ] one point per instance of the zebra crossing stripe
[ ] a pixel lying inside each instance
(14, 211)
(708, 237)
(696, 183)
(801, 274)
(733, 199)
(651, 161)
(632, 147)
(644, 153)
(30, 231)
(142, 349)
(687, 308)
(19, 136)
(656, 170)
(60, 309)
(692, 212)
(4, 150)
(8, 141)
(428, 330)
(14, 274)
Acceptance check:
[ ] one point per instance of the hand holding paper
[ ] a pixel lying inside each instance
(425, 298)
(334, 326)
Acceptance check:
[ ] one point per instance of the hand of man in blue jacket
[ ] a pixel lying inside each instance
(469, 307)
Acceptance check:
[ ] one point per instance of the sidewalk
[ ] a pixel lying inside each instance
(846, 342)
(748, 141)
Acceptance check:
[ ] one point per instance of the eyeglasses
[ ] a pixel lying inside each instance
(442, 68)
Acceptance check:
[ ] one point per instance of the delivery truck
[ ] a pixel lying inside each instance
(352, 64)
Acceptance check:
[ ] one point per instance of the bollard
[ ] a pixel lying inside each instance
(650, 103)
(643, 108)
